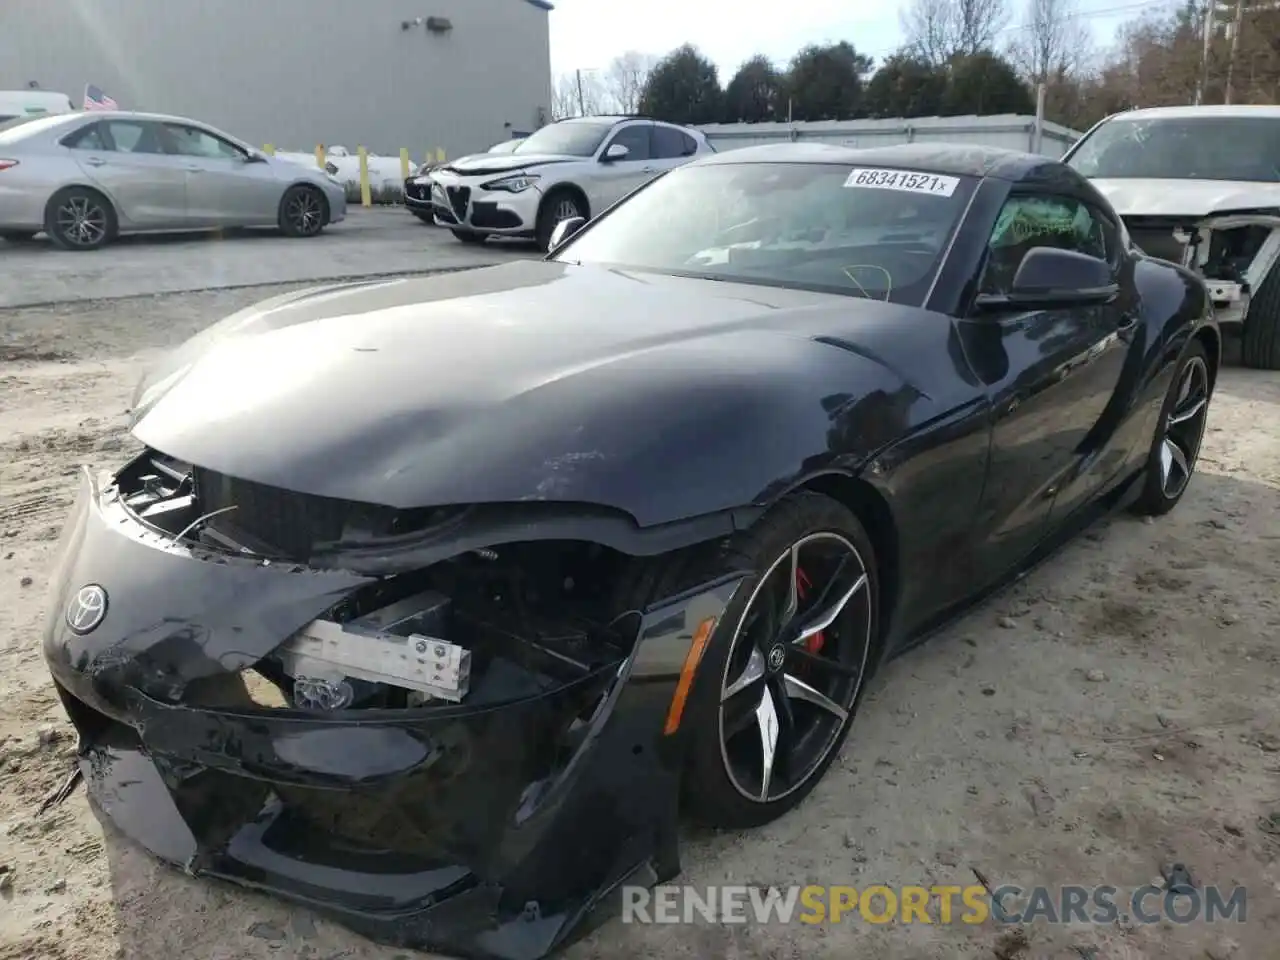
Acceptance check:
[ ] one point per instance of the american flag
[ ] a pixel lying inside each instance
(95, 99)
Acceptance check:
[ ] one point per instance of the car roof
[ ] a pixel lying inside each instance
(948, 159)
(1237, 111)
(135, 115)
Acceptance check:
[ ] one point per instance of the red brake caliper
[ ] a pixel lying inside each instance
(803, 583)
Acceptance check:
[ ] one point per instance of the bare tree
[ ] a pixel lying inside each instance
(937, 30)
(976, 23)
(625, 78)
(926, 24)
(578, 94)
(1053, 42)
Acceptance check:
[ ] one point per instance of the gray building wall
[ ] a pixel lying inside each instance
(295, 73)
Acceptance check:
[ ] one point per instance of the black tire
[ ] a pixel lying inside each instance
(712, 795)
(17, 236)
(556, 207)
(80, 219)
(304, 211)
(469, 236)
(1260, 339)
(1158, 496)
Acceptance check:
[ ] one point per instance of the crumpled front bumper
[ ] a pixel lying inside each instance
(472, 831)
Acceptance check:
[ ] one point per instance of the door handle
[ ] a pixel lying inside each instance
(194, 169)
(95, 162)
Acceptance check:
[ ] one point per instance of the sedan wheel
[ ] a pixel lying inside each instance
(79, 219)
(1179, 433)
(302, 212)
(781, 689)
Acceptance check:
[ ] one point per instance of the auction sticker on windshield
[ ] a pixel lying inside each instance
(908, 181)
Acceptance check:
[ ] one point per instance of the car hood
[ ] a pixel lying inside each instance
(1189, 198)
(485, 164)
(532, 380)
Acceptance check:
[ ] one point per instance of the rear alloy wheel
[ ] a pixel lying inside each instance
(778, 693)
(559, 206)
(1179, 432)
(80, 219)
(302, 212)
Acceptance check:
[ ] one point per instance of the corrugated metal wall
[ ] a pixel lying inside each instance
(1010, 131)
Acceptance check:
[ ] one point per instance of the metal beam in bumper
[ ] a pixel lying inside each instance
(1231, 297)
(470, 830)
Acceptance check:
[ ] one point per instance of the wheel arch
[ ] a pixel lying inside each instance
(876, 516)
(1211, 339)
(565, 186)
(92, 188)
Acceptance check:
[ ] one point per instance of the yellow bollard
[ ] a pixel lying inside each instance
(320, 155)
(366, 196)
(440, 154)
(404, 163)
(269, 150)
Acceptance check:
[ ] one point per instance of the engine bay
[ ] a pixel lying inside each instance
(484, 627)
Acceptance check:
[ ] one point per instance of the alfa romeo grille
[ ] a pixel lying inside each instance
(458, 199)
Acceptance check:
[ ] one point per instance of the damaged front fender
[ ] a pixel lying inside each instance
(497, 827)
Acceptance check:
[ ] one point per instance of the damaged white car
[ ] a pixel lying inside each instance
(1201, 186)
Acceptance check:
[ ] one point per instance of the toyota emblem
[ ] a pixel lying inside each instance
(87, 609)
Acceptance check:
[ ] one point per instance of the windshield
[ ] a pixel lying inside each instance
(1193, 148)
(872, 233)
(570, 138)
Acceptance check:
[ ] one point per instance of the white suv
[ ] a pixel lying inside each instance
(571, 168)
(1201, 186)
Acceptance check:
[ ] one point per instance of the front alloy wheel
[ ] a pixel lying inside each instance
(780, 681)
(793, 672)
(302, 212)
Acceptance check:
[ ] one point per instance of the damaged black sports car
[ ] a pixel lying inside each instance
(434, 603)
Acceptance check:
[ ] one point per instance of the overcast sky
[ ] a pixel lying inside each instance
(587, 34)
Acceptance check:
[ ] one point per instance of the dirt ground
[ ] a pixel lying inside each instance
(1115, 712)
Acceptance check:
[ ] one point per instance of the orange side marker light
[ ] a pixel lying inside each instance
(699, 645)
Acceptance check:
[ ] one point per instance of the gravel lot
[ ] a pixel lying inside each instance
(1116, 711)
(367, 243)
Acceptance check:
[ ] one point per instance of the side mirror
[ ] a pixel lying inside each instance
(1049, 277)
(254, 158)
(616, 151)
(563, 231)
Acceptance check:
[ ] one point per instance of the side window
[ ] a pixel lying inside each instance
(636, 139)
(194, 142)
(1040, 221)
(670, 143)
(86, 138)
(132, 136)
